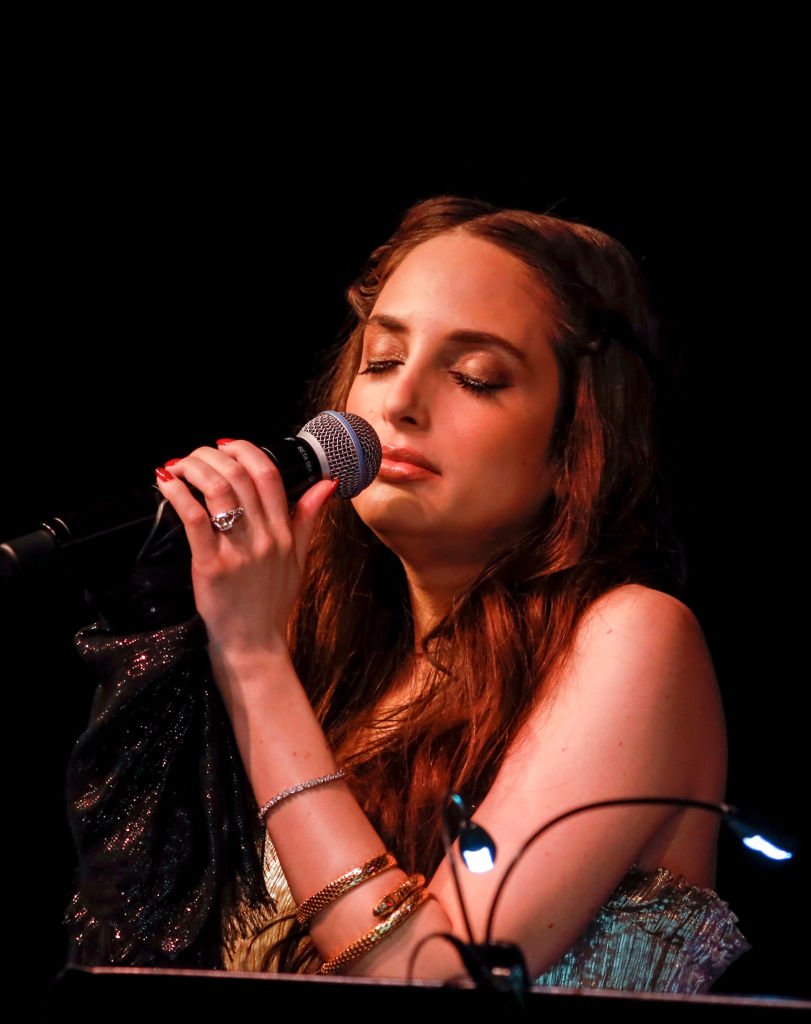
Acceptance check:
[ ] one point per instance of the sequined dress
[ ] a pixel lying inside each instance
(655, 933)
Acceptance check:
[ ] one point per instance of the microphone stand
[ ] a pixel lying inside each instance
(116, 527)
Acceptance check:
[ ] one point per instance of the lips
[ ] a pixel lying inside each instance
(405, 464)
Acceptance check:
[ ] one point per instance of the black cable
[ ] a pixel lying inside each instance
(460, 946)
(448, 844)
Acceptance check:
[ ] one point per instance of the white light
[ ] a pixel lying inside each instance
(766, 848)
(478, 861)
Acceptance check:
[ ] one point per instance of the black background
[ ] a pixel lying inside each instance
(175, 263)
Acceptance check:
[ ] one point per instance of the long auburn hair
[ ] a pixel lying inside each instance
(492, 655)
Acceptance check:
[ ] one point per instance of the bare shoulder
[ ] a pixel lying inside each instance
(644, 632)
(639, 679)
(641, 609)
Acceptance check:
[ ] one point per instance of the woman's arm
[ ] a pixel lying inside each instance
(245, 582)
(634, 712)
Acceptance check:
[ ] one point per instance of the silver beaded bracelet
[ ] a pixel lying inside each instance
(292, 790)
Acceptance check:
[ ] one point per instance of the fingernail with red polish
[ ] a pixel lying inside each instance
(335, 484)
(162, 474)
(171, 462)
(224, 440)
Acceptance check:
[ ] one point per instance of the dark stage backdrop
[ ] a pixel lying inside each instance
(162, 298)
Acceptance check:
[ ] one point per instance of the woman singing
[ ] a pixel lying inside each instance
(495, 616)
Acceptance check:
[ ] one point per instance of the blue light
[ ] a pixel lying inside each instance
(768, 849)
(477, 848)
(478, 861)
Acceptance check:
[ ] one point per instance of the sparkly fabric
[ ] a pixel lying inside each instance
(655, 933)
(162, 816)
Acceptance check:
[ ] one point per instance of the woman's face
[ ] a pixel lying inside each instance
(459, 379)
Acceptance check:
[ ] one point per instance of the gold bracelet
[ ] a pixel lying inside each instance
(321, 900)
(394, 899)
(377, 934)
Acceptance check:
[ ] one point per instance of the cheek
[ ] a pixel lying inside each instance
(357, 401)
(518, 473)
(497, 447)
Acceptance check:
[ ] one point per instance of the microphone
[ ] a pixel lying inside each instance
(332, 444)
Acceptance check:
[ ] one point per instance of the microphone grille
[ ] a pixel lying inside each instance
(351, 446)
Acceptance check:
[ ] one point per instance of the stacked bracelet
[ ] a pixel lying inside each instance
(394, 899)
(292, 790)
(321, 900)
(368, 941)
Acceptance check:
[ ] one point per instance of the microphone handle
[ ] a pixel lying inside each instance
(299, 465)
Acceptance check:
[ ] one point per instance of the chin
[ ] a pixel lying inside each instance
(383, 508)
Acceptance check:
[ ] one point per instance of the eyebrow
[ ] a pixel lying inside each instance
(470, 338)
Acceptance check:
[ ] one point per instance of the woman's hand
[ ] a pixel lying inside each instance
(245, 579)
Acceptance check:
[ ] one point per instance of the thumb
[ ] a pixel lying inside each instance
(307, 511)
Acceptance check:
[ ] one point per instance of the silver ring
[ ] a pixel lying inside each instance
(224, 521)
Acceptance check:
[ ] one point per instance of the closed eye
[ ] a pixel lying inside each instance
(482, 388)
(476, 385)
(379, 366)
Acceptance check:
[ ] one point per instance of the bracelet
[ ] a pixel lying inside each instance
(292, 790)
(321, 900)
(394, 899)
(377, 934)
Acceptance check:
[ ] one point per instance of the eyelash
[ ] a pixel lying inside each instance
(476, 386)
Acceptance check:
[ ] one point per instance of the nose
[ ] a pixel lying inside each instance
(407, 398)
